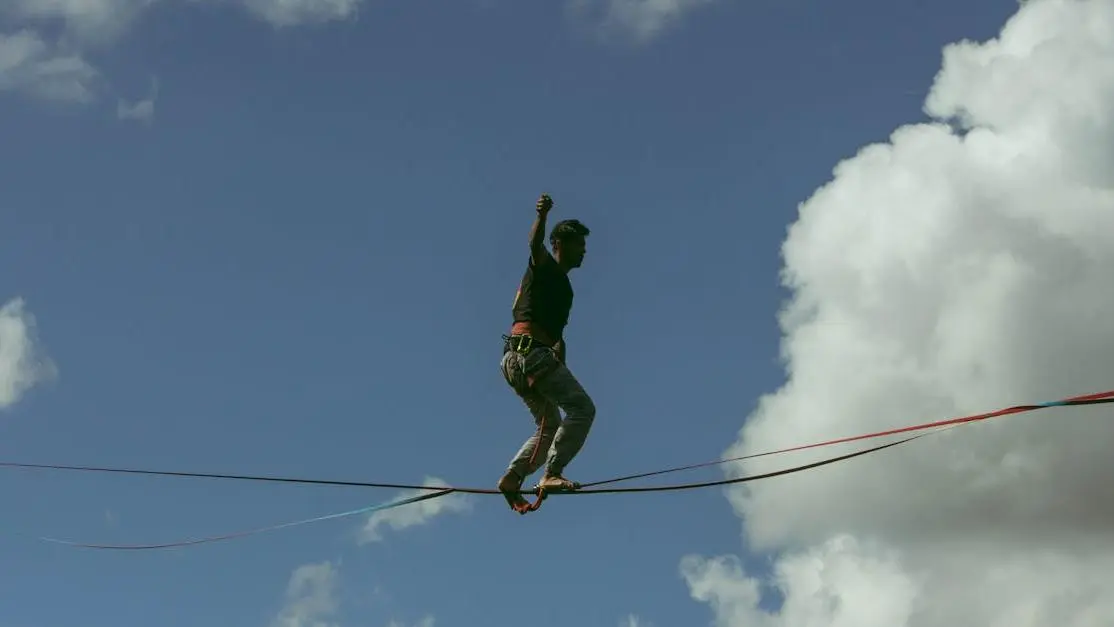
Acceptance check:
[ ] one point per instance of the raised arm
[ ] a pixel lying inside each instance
(537, 232)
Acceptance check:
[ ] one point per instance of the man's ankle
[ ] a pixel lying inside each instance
(511, 477)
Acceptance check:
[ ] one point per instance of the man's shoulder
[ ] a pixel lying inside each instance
(547, 261)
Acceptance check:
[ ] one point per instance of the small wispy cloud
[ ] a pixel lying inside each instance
(311, 599)
(635, 20)
(141, 111)
(22, 363)
(32, 66)
(425, 622)
(299, 12)
(100, 22)
(92, 22)
(630, 620)
(415, 513)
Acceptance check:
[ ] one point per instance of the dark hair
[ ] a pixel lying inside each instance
(567, 229)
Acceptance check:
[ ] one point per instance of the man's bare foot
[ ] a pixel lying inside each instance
(511, 485)
(557, 483)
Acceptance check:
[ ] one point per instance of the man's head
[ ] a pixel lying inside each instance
(567, 239)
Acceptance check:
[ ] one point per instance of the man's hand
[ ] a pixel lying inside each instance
(544, 204)
(537, 232)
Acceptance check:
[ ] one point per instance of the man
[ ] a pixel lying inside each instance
(534, 360)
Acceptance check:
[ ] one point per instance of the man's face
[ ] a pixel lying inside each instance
(571, 251)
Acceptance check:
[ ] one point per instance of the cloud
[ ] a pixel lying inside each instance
(415, 513)
(963, 266)
(22, 362)
(310, 597)
(141, 111)
(92, 21)
(297, 12)
(31, 65)
(425, 622)
(101, 21)
(630, 620)
(34, 67)
(836, 584)
(636, 20)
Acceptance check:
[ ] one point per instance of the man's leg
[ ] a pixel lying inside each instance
(546, 386)
(519, 371)
(561, 388)
(533, 452)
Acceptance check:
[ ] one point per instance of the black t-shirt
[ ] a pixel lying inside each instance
(544, 297)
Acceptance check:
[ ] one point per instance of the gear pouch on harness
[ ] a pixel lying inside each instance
(522, 369)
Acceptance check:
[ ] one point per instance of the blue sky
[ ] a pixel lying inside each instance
(302, 264)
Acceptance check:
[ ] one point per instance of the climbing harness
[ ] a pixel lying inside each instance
(522, 365)
(520, 344)
(586, 488)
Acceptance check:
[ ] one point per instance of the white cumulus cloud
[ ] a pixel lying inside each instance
(23, 364)
(963, 266)
(837, 584)
(413, 514)
(311, 599)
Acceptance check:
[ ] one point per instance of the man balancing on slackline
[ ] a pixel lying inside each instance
(534, 360)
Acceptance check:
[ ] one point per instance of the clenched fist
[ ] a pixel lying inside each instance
(545, 203)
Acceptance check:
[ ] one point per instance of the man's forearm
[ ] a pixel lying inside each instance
(537, 234)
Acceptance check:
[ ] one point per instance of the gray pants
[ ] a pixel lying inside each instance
(546, 385)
